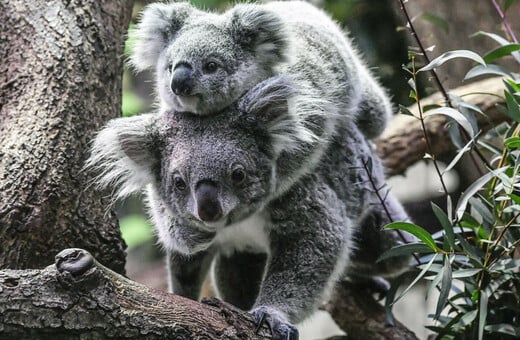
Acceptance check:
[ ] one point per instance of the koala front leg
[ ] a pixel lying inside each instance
(188, 258)
(186, 273)
(309, 242)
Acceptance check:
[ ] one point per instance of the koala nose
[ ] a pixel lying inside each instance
(182, 80)
(208, 205)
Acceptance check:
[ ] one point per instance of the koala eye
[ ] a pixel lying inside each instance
(210, 67)
(179, 183)
(238, 175)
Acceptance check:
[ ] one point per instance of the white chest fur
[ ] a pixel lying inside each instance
(250, 234)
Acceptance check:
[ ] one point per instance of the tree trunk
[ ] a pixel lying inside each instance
(60, 81)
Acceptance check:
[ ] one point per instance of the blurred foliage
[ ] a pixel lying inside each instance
(135, 230)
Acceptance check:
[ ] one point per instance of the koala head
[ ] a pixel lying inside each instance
(205, 61)
(212, 170)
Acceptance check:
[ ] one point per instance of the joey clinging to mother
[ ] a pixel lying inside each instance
(221, 190)
(204, 61)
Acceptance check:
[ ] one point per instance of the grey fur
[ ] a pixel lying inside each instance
(251, 42)
(304, 224)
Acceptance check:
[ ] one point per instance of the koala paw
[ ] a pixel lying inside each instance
(280, 328)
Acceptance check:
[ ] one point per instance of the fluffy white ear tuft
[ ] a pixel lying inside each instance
(286, 112)
(123, 154)
(261, 31)
(158, 25)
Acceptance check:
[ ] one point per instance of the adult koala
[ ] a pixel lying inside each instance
(221, 189)
(205, 61)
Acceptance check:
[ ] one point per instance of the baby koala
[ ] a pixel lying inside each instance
(203, 61)
(221, 190)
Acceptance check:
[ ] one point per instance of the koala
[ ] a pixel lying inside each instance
(203, 61)
(224, 196)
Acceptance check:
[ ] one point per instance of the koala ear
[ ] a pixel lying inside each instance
(124, 154)
(158, 24)
(260, 30)
(274, 104)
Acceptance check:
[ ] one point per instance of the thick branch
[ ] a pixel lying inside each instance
(77, 296)
(356, 312)
(402, 144)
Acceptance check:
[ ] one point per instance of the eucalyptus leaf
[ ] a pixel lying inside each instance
(445, 287)
(503, 328)
(445, 223)
(500, 52)
(513, 109)
(462, 273)
(473, 189)
(417, 231)
(403, 250)
(404, 110)
(487, 70)
(455, 115)
(499, 39)
(460, 153)
(417, 278)
(482, 315)
(466, 54)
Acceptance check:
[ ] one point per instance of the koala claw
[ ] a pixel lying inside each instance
(280, 329)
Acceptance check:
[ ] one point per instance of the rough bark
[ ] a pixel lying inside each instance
(402, 144)
(60, 80)
(77, 297)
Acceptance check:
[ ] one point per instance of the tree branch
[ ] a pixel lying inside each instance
(356, 312)
(402, 143)
(77, 296)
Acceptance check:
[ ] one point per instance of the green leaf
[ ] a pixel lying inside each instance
(404, 110)
(503, 328)
(416, 231)
(436, 20)
(513, 109)
(512, 142)
(512, 85)
(468, 318)
(445, 287)
(482, 314)
(473, 189)
(455, 115)
(445, 223)
(462, 273)
(500, 52)
(417, 278)
(499, 39)
(515, 198)
(404, 250)
(466, 54)
(481, 70)
(461, 153)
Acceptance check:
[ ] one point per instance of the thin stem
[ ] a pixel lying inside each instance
(425, 132)
(382, 200)
(502, 16)
(425, 55)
